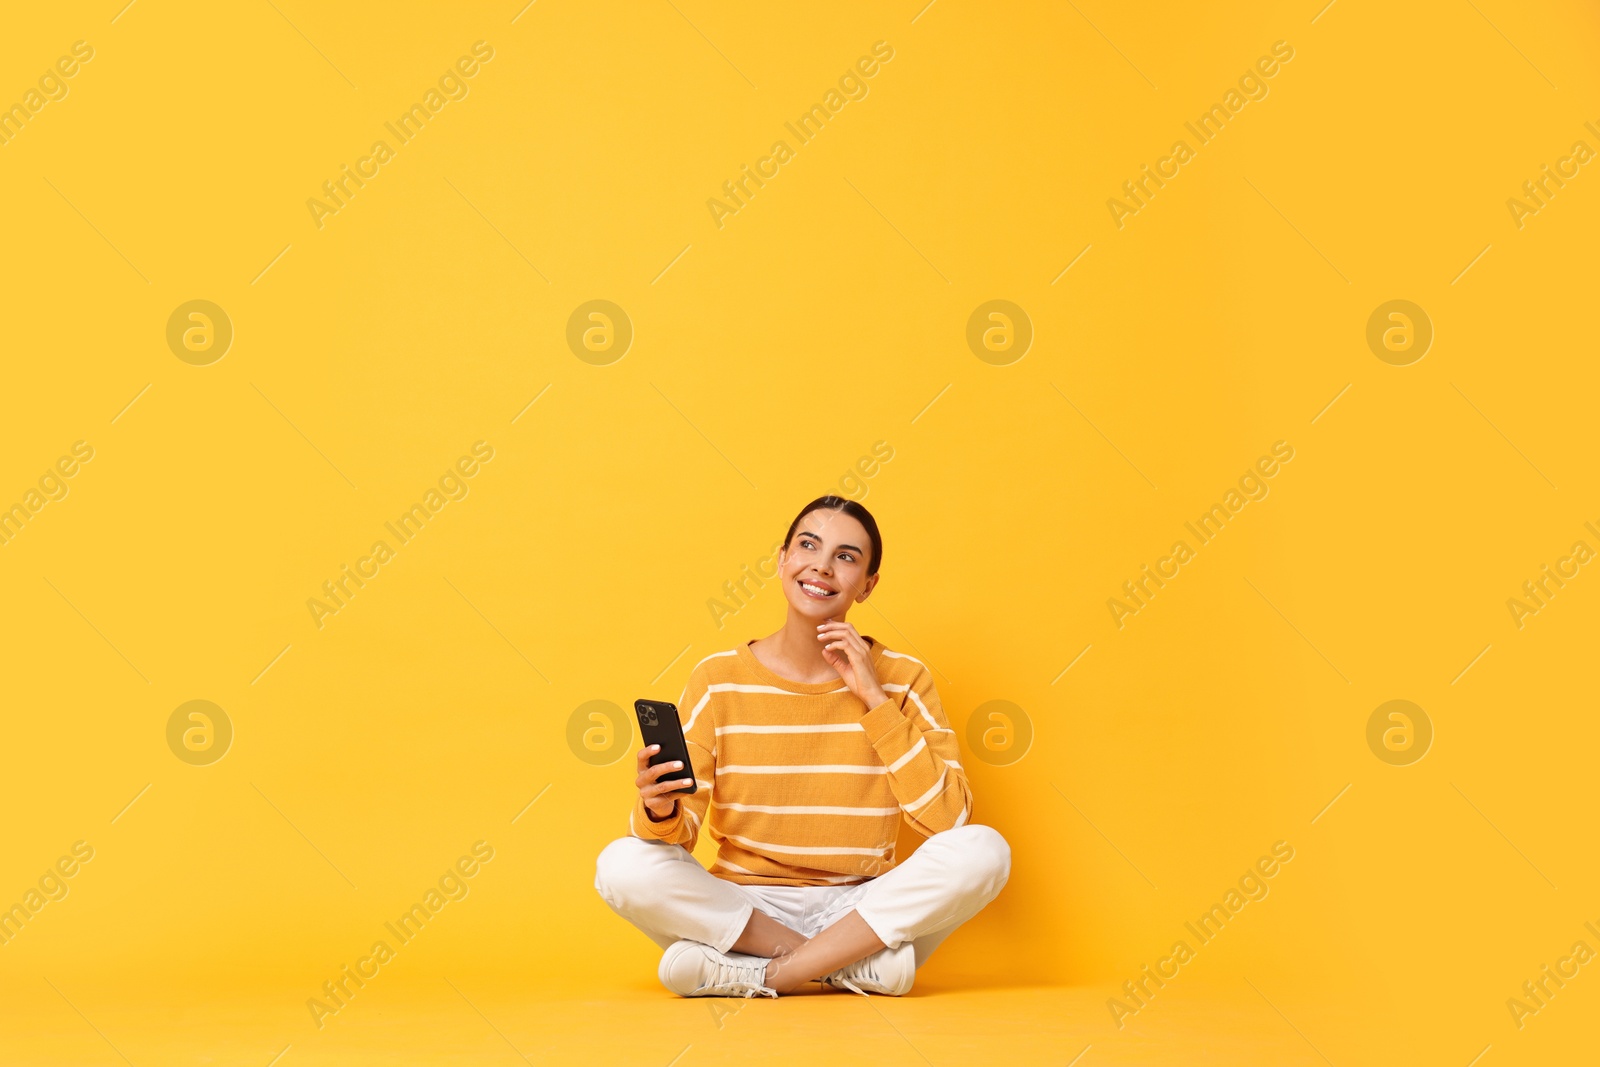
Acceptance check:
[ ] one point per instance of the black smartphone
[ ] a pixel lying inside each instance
(659, 725)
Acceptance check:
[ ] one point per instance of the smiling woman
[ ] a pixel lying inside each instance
(741, 591)
(817, 742)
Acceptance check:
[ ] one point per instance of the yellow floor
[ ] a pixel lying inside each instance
(459, 1020)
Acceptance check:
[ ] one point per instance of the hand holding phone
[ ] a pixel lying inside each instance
(657, 795)
(665, 756)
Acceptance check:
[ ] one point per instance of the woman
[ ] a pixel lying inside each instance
(815, 742)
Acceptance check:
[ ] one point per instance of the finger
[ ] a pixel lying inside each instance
(650, 792)
(861, 667)
(848, 649)
(849, 643)
(642, 759)
(650, 774)
(671, 767)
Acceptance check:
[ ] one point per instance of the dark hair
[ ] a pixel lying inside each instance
(855, 511)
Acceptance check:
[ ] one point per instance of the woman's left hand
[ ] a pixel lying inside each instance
(849, 654)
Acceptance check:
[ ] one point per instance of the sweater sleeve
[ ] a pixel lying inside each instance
(917, 745)
(682, 827)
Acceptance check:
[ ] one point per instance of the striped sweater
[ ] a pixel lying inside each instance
(805, 785)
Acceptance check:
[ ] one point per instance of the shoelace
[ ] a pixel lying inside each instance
(747, 979)
(843, 981)
(841, 977)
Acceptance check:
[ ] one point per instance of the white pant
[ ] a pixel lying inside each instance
(663, 890)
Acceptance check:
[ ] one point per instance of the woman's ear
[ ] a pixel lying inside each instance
(866, 591)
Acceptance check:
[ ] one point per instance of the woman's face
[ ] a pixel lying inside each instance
(824, 566)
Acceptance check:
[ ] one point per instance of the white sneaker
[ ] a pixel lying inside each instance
(692, 969)
(889, 971)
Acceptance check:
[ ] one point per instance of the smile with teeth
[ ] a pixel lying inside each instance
(817, 591)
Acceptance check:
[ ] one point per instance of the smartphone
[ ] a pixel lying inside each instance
(659, 725)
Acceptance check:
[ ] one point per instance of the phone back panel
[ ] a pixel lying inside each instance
(659, 725)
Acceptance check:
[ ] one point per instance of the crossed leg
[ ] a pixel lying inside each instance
(665, 892)
(844, 942)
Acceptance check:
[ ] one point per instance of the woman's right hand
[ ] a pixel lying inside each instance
(656, 794)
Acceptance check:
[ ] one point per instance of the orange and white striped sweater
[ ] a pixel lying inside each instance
(806, 785)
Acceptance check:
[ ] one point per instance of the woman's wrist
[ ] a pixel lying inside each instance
(873, 697)
(653, 817)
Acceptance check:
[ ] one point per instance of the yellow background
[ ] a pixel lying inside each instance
(769, 355)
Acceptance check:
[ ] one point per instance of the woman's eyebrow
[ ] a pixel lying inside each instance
(816, 537)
